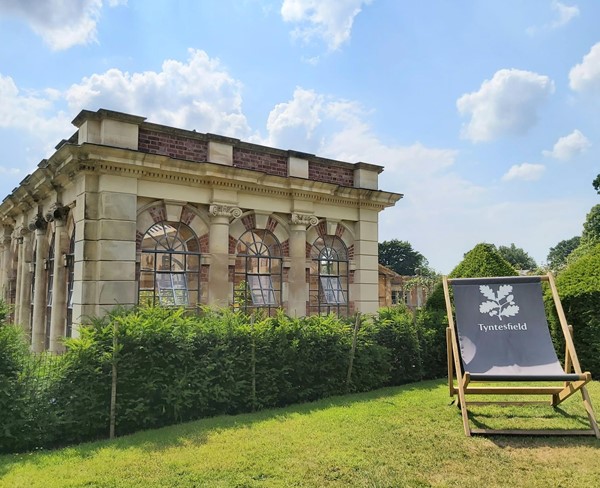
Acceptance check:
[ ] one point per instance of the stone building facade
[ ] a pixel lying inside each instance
(129, 212)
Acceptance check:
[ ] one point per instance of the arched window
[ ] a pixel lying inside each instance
(169, 266)
(70, 262)
(258, 271)
(32, 267)
(49, 265)
(329, 276)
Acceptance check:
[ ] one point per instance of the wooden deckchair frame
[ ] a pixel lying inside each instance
(558, 394)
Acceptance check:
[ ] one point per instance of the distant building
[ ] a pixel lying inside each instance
(128, 212)
(395, 289)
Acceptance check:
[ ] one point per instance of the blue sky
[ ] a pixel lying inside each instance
(484, 113)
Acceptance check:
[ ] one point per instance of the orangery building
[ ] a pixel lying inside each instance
(129, 212)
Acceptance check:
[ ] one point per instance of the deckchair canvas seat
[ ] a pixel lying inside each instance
(501, 334)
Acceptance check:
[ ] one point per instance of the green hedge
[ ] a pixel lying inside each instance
(579, 289)
(172, 367)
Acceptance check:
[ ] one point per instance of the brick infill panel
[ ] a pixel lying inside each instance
(172, 145)
(329, 173)
(267, 163)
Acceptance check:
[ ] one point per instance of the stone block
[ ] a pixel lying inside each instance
(364, 178)
(114, 293)
(89, 131)
(297, 167)
(119, 134)
(118, 206)
(220, 153)
(118, 184)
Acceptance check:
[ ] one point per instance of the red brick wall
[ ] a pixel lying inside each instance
(330, 174)
(172, 145)
(191, 149)
(267, 163)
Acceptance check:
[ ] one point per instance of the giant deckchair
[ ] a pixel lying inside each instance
(500, 336)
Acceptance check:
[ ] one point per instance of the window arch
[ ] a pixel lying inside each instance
(169, 272)
(258, 271)
(329, 276)
(70, 262)
(49, 265)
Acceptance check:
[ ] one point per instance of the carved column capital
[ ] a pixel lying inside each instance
(224, 211)
(57, 212)
(37, 223)
(304, 219)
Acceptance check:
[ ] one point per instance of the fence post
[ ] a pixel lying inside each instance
(253, 361)
(352, 351)
(113, 386)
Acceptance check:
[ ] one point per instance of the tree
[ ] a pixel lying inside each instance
(517, 257)
(591, 226)
(557, 257)
(402, 258)
(596, 184)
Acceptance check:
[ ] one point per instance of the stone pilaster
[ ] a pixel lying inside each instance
(38, 333)
(104, 269)
(5, 274)
(297, 285)
(365, 289)
(23, 301)
(218, 246)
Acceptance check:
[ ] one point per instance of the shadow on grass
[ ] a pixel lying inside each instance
(525, 418)
(198, 431)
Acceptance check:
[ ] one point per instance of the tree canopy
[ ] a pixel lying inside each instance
(557, 257)
(596, 184)
(591, 226)
(400, 257)
(517, 257)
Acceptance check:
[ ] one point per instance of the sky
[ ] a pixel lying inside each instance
(484, 113)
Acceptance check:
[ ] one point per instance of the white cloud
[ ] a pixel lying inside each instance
(32, 112)
(525, 172)
(330, 20)
(508, 104)
(60, 23)
(569, 146)
(198, 94)
(585, 77)
(565, 13)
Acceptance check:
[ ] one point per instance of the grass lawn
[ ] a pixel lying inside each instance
(405, 436)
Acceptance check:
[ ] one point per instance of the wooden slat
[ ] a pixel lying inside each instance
(506, 404)
(450, 359)
(533, 432)
(513, 390)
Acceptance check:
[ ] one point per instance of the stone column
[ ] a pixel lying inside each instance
(24, 291)
(366, 287)
(58, 316)
(38, 334)
(297, 285)
(17, 304)
(5, 275)
(218, 247)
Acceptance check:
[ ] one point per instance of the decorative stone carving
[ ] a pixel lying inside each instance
(57, 212)
(225, 211)
(38, 223)
(304, 219)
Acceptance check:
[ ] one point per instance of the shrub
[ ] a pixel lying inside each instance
(396, 330)
(579, 289)
(480, 262)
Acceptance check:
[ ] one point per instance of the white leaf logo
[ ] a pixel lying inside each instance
(501, 304)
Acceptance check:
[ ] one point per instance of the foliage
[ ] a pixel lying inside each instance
(517, 257)
(174, 367)
(591, 226)
(480, 262)
(596, 184)
(557, 257)
(397, 331)
(400, 257)
(579, 289)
